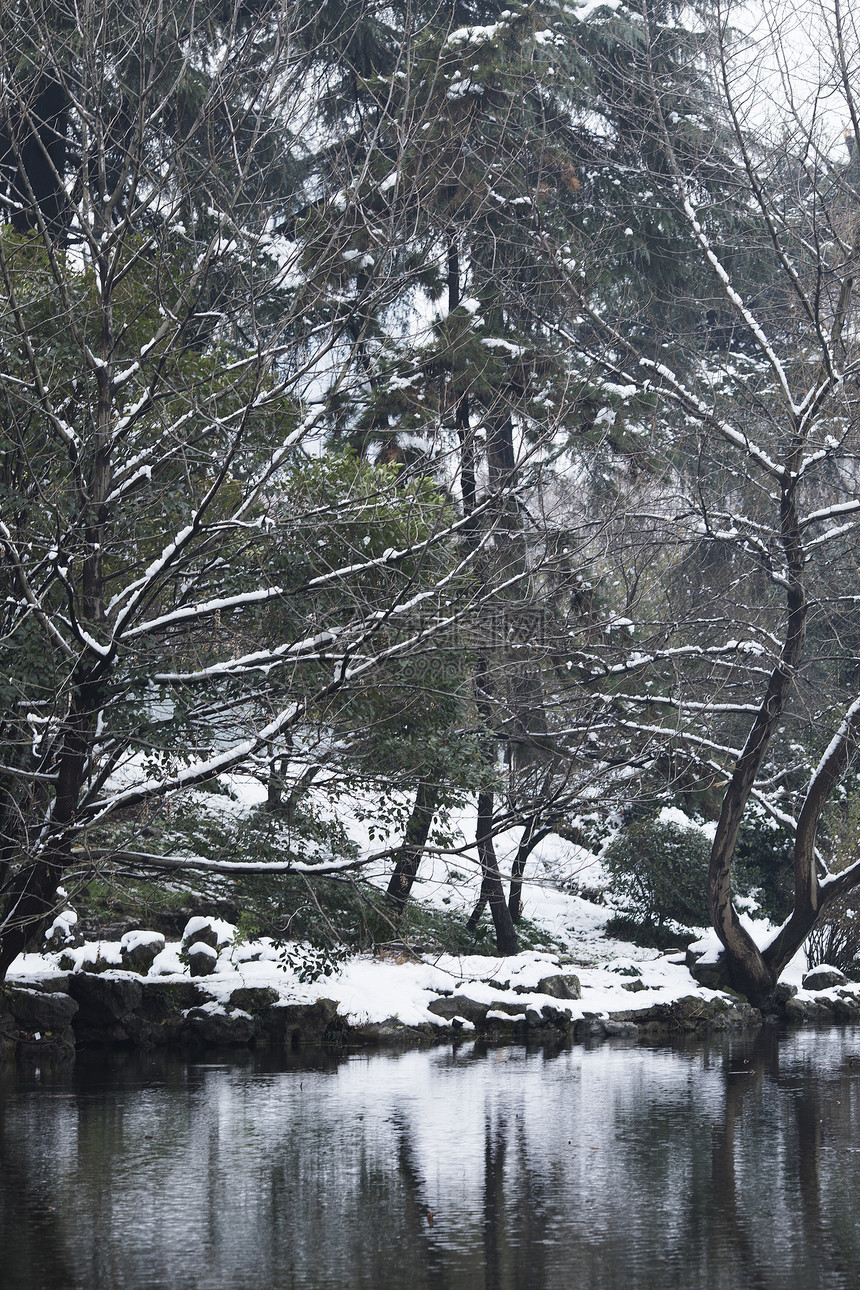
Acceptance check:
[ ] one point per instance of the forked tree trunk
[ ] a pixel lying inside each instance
(748, 969)
(518, 868)
(491, 882)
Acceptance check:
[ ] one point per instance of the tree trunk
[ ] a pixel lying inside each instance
(414, 842)
(468, 486)
(275, 783)
(515, 894)
(810, 899)
(31, 897)
(29, 901)
(532, 835)
(491, 884)
(748, 970)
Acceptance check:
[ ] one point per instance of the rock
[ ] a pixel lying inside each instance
(634, 987)
(562, 986)
(846, 1006)
(620, 1029)
(782, 992)
(499, 1021)
(36, 1026)
(54, 1048)
(64, 931)
(172, 922)
(96, 929)
(704, 1015)
(202, 959)
(95, 966)
(736, 1016)
(8, 1037)
(201, 932)
(161, 1017)
(163, 1000)
(823, 977)
(589, 1028)
(204, 1026)
(104, 1000)
(458, 1005)
(390, 1031)
(559, 1017)
(255, 999)
(711, 973)
(57, 983)
(138, 950)
(290, 1024)
(503, 1015)
(693, 1015)
(820, 1010)
(35, 1011)
(511, 1008)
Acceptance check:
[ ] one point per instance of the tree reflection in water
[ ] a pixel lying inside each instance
(728, 1164)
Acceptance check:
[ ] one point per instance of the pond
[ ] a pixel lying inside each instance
(733, 1163)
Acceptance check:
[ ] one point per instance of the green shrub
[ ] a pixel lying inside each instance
(644, 932)
(659, 869)
(764, 863)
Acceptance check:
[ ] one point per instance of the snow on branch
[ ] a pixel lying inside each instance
(203, 610)
(637, 660)
(735, 298)
(262, 661)
(667, 383)
(828, 512)
(685, 705)
(199, 863)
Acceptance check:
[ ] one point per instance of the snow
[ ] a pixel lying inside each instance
(584, 9)
(460, 89)
(62, 924)
(369, 989)
(562, 895)
(674, 815)
(168, 962)
(200, 947)
(225, 932)
(132, 940)
(463, 37)
(739, 304)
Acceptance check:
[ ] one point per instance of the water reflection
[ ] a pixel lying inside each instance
(730, 1164)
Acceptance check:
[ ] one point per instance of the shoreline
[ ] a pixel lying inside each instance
(213, 989)
(49, 1016)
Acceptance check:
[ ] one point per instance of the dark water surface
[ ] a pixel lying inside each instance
(727, 1164)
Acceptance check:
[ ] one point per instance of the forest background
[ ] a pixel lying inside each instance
(432, 402)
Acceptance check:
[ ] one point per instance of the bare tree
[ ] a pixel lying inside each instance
(758, 406)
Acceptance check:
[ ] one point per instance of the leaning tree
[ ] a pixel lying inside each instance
(743, 662)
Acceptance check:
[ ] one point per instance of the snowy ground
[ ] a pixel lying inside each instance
(375, 988)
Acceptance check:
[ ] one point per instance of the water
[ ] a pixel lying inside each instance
(620, 1167)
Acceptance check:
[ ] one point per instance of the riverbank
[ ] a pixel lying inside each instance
(213, 990)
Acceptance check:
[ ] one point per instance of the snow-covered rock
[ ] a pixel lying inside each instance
(823, 977)
(138, 950)
(202, 959)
